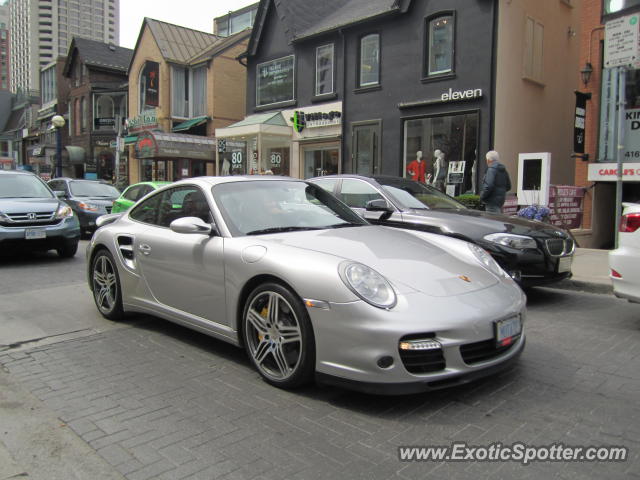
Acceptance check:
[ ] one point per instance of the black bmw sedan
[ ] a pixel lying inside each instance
(532, 252)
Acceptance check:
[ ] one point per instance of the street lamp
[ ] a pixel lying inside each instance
(58, 122)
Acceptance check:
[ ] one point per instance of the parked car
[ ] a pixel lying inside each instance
(32, 218)
(307, 287)
(88, 198)
(533, 253)
(625, 260)
(133, 193)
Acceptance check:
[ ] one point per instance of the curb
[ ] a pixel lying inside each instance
(583, 286)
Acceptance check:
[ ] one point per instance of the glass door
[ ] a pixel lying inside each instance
(366, 151)
(321, 160)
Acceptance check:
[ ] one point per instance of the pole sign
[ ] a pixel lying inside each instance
(621, 42)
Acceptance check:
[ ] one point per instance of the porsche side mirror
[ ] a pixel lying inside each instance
(191, 225)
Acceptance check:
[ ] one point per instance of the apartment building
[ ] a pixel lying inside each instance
(4, 47)
(41, 30)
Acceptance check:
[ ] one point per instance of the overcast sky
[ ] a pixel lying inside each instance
(196, 14)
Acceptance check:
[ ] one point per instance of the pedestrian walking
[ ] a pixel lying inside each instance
(496, 183)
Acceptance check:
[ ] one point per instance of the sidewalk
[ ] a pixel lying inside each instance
(590, 272)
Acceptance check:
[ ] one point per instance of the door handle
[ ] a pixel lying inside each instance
(144, 249)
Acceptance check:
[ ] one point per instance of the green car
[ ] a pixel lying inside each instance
(133, 193)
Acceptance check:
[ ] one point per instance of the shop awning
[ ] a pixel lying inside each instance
(175, 145)
(130, 139)
(76, 154)
(271, 122)
(194, 122)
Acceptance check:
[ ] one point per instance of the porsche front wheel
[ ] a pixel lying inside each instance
(278, 336)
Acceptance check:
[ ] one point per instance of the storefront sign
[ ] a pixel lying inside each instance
(452, 95)
(608, 172)
(621, 42)
(145, 121)
(510, 206)
(456, 172)
(104, 122)
(565, 202)
(101, 143)
(146, 146)
(302, 120)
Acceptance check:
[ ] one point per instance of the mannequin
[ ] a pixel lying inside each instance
(439, 170)
(417, 168)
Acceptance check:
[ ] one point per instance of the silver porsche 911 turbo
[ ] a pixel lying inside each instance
(311, 290)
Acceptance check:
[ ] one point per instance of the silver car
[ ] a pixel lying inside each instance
(282, 268)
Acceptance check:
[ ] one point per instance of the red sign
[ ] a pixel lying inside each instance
(510, 206)
(565, 202)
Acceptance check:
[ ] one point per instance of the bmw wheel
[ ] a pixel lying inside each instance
(106, 286)
(278, 336)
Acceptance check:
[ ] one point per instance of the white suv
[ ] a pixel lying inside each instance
(625, 260)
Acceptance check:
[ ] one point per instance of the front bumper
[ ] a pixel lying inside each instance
(529, 268)
(352, 338)
(63, 233)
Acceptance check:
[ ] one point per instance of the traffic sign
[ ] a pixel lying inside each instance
(621, 43)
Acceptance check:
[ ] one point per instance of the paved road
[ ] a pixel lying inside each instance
(155, 400)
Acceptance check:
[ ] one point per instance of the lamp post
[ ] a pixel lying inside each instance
(58, 122)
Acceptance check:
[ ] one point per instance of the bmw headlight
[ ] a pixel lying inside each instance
(368, 284)
(512, 240)
(64, 211)
(487, 260)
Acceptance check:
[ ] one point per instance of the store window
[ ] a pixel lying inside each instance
(439, 48)
(324, 69)
(321, 160)
(369, 73)
(246, 157)
(275, 81)
(188, 92)
(444, 141)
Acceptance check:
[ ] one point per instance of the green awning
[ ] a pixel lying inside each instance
(194, 122)
(130, 139)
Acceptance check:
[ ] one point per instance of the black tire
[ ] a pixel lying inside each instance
(67, 251)
(278, 336)
(105, 283)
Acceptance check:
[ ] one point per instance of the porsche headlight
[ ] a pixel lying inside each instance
(487, 260)
(512, 240)
(64, 211)
(368, 284)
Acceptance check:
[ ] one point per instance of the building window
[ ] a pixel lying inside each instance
(84, 113)
(188, 92)
(324, 69)
(275, 81)
(533, 51)
(439, 48)
(149, 86)
(369, 60)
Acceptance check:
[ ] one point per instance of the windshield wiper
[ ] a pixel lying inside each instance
(280, 230)
(344, 225)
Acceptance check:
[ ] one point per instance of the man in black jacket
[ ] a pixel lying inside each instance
(495, 185)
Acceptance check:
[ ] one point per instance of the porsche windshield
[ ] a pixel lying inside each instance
(418, 195)
(273, 206)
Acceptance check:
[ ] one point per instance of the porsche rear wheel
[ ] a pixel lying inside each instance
(278, 336)
(105, 283)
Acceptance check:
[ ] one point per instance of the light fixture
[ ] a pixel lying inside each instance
(586, 72)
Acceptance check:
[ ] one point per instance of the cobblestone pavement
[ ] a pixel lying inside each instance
(159, 401)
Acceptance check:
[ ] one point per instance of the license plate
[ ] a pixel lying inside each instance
(564, 264)
(35, 233)
(506, 330)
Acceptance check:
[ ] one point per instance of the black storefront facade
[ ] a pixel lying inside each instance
(411, 77)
